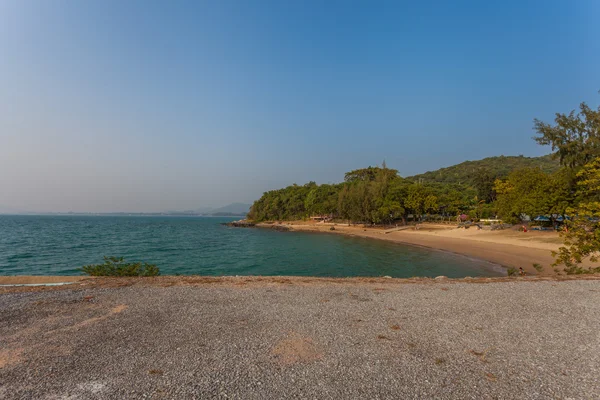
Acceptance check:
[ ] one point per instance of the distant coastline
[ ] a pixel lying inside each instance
(230, 210)
(127, 214)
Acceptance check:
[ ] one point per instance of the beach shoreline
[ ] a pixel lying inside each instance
(507, 248)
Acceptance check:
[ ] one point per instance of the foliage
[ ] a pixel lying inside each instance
(532, 192)
(574, 137)
(582, 239)
(372, 195)
(470, 173)
(483, 181)
(283, 204)
(116, 266)
(368, 174)
(321, 200)
(511, 271)
(454, 199)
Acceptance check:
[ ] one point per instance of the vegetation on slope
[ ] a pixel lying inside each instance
(499, 167)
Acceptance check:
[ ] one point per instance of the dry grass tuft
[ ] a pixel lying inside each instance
(491, 377)
(481, 354)
(155, 372)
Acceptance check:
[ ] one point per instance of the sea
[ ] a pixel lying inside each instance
(178, 245)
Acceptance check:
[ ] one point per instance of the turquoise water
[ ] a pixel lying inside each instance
(58, 245)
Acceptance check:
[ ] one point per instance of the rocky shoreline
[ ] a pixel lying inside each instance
(244, 223)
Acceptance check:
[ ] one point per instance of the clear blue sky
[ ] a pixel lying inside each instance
(146, 105)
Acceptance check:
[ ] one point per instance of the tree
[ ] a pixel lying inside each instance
(420, 199)
(582, 240)
(574, 137)
(322, 200)
(532, 192)
(368, 174)
(387, 194)
(454, 199)
(484, 183)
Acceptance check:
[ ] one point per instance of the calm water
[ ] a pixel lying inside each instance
(58, 245)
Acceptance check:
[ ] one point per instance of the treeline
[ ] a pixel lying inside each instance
(370, 195)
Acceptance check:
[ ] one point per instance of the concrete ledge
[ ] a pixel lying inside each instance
(34, 279)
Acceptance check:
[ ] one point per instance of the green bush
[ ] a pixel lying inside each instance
(538, 267)
(511, 271)
(116, 266)
(578, 270)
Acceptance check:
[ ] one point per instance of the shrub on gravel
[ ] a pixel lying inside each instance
(116, 266)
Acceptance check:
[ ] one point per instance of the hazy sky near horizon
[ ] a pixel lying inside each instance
(114, 105)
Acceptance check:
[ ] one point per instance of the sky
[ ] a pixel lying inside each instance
(111, 105)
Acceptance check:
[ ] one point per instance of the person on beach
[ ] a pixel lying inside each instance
(521, 271)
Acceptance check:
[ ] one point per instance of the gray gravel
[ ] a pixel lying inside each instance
(369, 340)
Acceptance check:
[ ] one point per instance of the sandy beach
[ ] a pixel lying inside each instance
(508, 247)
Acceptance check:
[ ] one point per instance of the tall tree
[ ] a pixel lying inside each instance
(420, 199)
(532, 192)
(368, 174)
(575, 136)
(484, 183)
(582, 240)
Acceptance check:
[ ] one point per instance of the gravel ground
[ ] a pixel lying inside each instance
(520, 339)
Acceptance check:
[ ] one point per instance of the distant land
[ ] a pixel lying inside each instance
(230, 210)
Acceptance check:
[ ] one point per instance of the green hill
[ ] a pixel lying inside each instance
(499, 166)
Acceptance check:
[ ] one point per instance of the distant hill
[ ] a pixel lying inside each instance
(231, 210)
(501, 166)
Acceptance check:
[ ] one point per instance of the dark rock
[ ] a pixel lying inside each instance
(242, 223)
(282, 228)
